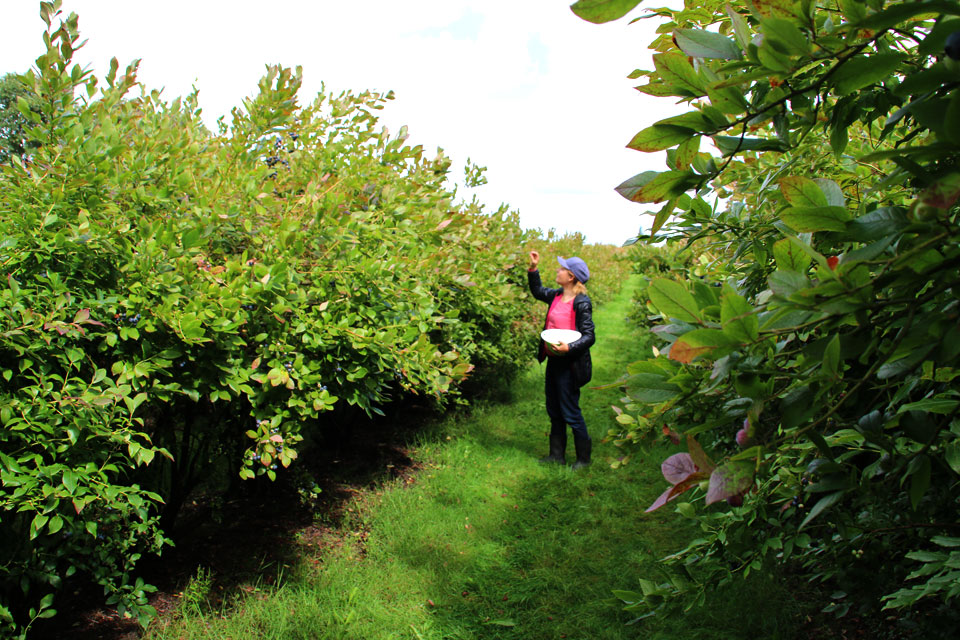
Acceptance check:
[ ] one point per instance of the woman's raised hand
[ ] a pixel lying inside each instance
(534, 260)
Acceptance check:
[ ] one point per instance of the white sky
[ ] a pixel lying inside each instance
(523, 87)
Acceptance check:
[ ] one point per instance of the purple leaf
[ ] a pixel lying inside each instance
(730, 479)
(662, 500)
(674, 491)
(678, 467)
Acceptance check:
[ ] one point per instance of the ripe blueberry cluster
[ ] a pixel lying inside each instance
(122, 317)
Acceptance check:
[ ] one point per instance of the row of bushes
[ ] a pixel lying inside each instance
(176, 301)
(805, 304)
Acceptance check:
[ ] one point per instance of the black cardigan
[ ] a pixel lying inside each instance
(583, 309)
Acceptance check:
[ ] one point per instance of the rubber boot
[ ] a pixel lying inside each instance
(558, 449)
(584, 447)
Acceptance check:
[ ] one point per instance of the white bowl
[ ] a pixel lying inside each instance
(556, 336)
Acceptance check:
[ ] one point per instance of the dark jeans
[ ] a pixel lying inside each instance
(563, 399)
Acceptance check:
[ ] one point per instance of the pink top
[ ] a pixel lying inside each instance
(561, 315)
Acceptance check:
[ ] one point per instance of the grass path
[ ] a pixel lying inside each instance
(486, 542)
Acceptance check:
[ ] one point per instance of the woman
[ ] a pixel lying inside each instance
(568, 365)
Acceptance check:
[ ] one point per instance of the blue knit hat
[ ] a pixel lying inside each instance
(577, 267)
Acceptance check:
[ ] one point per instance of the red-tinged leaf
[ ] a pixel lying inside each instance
(652, 186)
(670, 433)
(678, 467)
(943, 193)
(683, 352)
(674, 491)
(600, 11)
(661, 500)
(699, 456)
(443, 224)
(78, 505)
(687, 152)
(730, 479)
(802, 192)
(81, 316)
(660, 89)
(676, 69)
(276, 438)
(659, 137)
(774, 8)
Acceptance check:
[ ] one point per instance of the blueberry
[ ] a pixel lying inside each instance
(952, 46)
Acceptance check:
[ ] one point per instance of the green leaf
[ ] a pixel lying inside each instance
(659, 137)
(951, 121)
(786, 283)
(736, 315)
(822, 505)
(698, 43)
(651, 186)
(773, 59)
(877, 224)
(660, 219)
(951, 454)
(650, 388)
(893, 15)
(919, 472)
(693, 120)
(784, 36)
(600, 11)
(931, 405)
(740, 29)
(190, 238)
(70, 480)
(802, 192)
(55, 524)
(831, 357)
(790, 257)
(812, 219)
(945, 541)
(928, 79)
(709, 338)
(863, 71)
(729, 145)
(832, 191)
(673, 300)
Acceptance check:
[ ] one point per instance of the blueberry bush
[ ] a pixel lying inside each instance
(808, 353)
(177, 301)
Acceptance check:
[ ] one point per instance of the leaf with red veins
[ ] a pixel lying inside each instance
(678, 468)
(728, 480)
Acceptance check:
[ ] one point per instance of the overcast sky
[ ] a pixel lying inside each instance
(523, 87)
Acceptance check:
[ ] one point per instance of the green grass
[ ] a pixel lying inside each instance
(487, 543)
